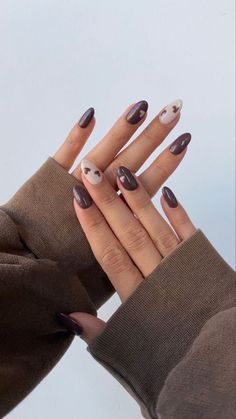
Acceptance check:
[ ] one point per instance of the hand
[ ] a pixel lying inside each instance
(107, 155)
(128, 247)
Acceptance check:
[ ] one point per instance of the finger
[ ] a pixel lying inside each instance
(140, 203)
(123, 129)
(176, 214)
(106, 248)
(83, 325)
(73, 144)
(125, 226)
(165, 164)
(135, 154)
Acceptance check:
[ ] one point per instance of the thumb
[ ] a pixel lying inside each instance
(84, 325)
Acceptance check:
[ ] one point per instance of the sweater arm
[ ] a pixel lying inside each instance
(42, 209)
(32, 291)
(171, 344)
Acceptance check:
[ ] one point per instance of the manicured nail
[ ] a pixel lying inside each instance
(180, 143)
(137, 112)
(86, 118)
(70, 324)
(91, 172)
(127, 179)
(169, 197)
(82, 197)
(170, 112)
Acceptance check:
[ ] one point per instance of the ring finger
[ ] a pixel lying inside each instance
(140, 203)
(125, 226)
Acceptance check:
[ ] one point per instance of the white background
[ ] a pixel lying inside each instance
(59, 57)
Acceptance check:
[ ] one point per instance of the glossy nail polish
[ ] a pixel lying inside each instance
(82, 197)
(91, 172)
(180, 143)
(70, 324)
(127, 179)
(170, 112)
(86, 118)
(169, 197)
(137, 112)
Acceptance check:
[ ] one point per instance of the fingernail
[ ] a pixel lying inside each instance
(70, 324)
(169, 197)
(170, 112)
(127, 179)
(86, 118)
(91, 172)
(82, 197)
(180, 143)
(137, 112)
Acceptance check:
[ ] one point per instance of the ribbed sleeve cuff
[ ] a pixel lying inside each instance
(154, 328)
(44, 214)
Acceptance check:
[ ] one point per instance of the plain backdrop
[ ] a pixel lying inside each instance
(59, 57)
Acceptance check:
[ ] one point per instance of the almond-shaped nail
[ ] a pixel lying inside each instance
(127, 178)
(86, 118)
(137, 112)
(169, 197)
(180, 143)
(82, 197)
(170, 112)
(70, 324)
(91, 172)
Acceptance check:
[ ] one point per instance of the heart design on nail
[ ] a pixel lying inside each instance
(141, 113)
(175, 108)
(122, 179)
(163, 112)
(86, 170)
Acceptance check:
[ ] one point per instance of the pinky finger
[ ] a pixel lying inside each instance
(83, 325)
(176, 215)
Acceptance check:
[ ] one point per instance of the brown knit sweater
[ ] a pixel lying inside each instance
(171, 344)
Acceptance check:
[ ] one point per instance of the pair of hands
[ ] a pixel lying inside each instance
(127, 235)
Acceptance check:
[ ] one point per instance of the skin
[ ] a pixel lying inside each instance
(125, 245)
(108, 157)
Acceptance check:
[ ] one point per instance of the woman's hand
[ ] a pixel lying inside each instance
(129, 242)
(107, 155)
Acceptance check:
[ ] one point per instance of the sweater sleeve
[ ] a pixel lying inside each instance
(32, 291)
(42, 209)
(46, 267)
(171, 344)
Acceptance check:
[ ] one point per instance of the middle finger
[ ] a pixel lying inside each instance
(126, 227)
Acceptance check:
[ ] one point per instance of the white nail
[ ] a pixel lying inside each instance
(170, 112)
(91, 172)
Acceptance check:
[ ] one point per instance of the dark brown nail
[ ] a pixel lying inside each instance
(86, 118)
(82, 197)
(180, 143)
(127, 179)
(137, 112)
(169, 197)
(70, 324)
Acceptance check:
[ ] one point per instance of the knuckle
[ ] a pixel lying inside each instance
(108, 199)
(166, 242)
(135, 237)
(95, 222)
(114, 259)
